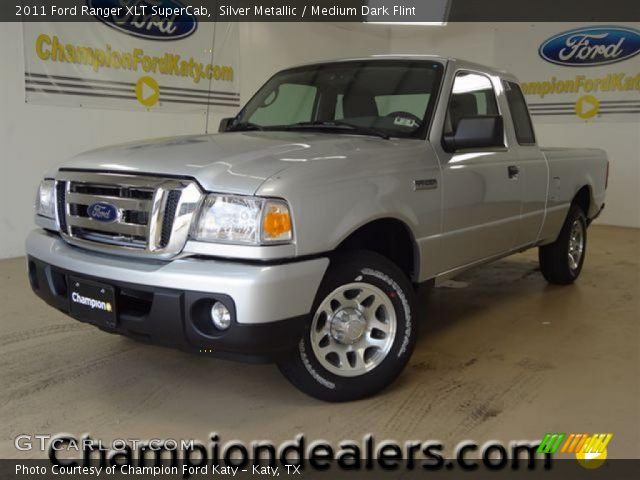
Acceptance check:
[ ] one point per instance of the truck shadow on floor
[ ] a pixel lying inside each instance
(484, 296)
(478, 292)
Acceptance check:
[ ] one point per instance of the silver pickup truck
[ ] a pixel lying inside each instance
(300, 232)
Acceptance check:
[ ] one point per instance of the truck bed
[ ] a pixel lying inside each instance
(570, 168)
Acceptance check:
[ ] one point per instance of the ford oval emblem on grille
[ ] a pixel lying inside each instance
(103, 212)
(589, 46)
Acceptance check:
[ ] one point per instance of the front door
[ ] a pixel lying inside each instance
(481, 188)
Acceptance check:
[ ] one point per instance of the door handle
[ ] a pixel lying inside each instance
(514, 171)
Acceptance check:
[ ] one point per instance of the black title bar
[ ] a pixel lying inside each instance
(384, 11)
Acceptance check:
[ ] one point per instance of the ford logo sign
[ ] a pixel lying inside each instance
(148, 18)
(589, 46)
(103, 212)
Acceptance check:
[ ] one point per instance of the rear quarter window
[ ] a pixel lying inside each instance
(520, 114)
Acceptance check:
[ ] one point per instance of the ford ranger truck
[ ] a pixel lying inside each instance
(299, 233)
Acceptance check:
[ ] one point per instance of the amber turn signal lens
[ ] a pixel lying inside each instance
(277, 222)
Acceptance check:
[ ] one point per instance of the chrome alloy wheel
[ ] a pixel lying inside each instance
(353, 329)
(576, 244)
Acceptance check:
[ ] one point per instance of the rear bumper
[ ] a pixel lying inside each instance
(168, 303)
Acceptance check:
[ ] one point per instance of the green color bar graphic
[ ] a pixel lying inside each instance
(551, 442)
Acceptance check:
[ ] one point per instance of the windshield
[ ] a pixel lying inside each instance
(392, 97)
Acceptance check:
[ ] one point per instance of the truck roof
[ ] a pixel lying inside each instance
(459, 63)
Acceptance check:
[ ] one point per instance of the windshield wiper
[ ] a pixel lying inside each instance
(244, 126)
(338, 125)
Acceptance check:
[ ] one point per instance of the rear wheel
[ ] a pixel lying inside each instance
(561, 262)
(361, 333)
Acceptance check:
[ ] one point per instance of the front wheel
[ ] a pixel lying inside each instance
(561, 261)
(362, 331)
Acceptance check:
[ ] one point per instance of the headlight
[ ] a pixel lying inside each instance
(46, 199)
(245, 220)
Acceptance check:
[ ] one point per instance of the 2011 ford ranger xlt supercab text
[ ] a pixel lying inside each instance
(299, 232)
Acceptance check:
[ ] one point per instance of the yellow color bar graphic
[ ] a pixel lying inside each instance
(597, 443)
(585, 443)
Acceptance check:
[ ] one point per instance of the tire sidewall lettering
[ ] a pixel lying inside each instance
(312, 371)
(403, 300)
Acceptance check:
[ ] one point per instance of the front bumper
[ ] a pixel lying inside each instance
(167, 303)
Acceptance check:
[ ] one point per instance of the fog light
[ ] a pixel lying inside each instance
(221, 316)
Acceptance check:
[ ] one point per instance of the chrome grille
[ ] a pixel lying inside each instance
(153, 213)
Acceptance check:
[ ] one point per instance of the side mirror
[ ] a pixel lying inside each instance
(476, 132)
(224, 124)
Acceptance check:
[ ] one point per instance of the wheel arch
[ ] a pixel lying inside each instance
(584, 199)
(389, 237)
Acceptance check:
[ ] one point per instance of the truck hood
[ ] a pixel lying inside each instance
(237, 162)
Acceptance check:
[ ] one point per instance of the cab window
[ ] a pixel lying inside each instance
(472, 95)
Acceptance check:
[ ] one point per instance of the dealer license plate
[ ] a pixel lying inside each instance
(92, 302)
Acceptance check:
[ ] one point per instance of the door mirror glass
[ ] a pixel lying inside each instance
(484, 131)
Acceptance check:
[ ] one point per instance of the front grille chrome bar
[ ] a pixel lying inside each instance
(154, 214)
(123, 203)
(124, 229)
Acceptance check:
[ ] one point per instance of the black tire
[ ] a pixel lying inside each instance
(302, 367)
(555, 263)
